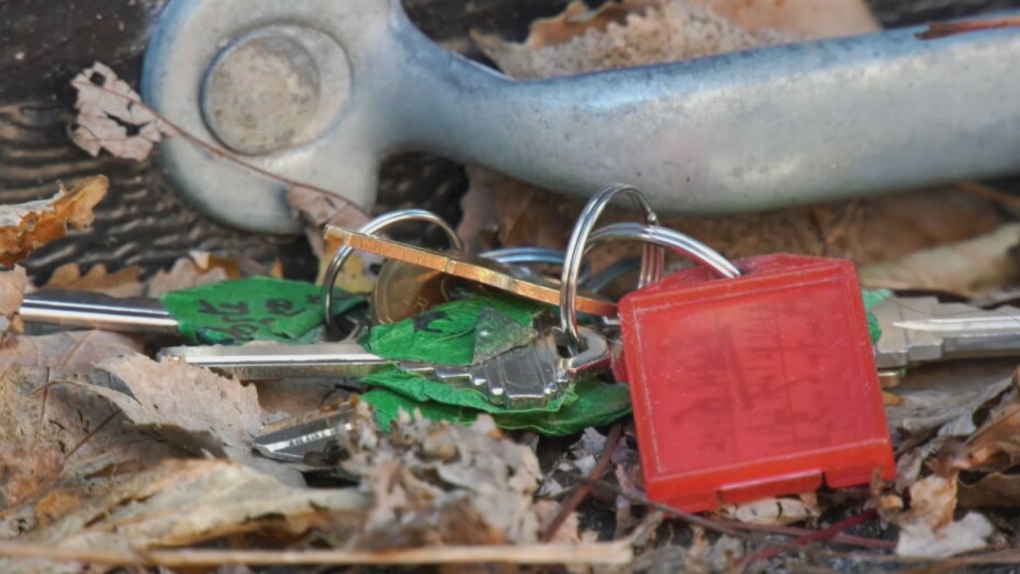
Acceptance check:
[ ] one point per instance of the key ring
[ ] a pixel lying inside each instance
(652, 256)
(663, 238)
(373, 227)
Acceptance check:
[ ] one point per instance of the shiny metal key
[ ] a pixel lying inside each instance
(71, 308)
(524, 376)
(921, 329)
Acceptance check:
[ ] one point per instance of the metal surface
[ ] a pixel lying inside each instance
(524, 376)
(652, 256)
(921, 329)
(737, 132)
(377, 225)
(97, 311)
(478, 270)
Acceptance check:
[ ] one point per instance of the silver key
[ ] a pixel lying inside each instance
(70, 308)
(524, 376)
(921, 329)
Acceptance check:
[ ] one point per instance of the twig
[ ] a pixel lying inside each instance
(988, 192)
(608, 553)
(815, 536)
(732, 528)
(176, 130)
(585, 489)
(942, 29)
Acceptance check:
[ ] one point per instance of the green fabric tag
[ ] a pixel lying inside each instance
(258, 308)
(872, 298)
(446, 334)
(597, 404)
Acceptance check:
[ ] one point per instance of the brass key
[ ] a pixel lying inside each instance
(478, 270)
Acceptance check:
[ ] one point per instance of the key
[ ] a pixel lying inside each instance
(477, 270)
(753, 386)
(921, 329)
(524, 376)
(97, 311)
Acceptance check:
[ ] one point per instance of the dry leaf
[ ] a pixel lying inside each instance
(967, 534)
(199, 268)
(189, 501)
(437, 483)
(969, 268)
(111, 116)
(319, 209)
(996, 445)
(198, 409)
(669, 33)
(68, 350)
(774, 511)
(996, 490)
(811, 19)
(945, 399)
(13, 284)
(28, 226)
(122, 283)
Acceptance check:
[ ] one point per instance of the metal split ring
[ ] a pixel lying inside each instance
(372, 228)
(662, 237)
(652, 256)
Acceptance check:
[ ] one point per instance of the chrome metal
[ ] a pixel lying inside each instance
(746, 131)
(673, 240)
(97, 311)
(921, 329)
(652, 257)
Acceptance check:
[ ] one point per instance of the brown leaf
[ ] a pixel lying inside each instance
(28, 226)
(68, 350)
(184, 502)
(13, 284)
(122, 283)
(995, 490)
(189, 405)
(425, 473)
(810, 19)
(996, 445)
(319, 209)
(969, 268)
(106, 107)
(199, 268)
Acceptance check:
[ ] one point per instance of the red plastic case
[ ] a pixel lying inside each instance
(754, 387)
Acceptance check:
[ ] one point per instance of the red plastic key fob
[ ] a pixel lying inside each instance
(756, 386)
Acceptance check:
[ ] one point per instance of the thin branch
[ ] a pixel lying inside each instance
(176, 130)
(989, 193)
(814, 536)
(585, 489)
(614, 553)
(942, 29)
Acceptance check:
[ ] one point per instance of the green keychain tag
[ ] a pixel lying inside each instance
(258, 308)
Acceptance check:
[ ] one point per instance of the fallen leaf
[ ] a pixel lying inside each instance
(475, 485)
(13, 284)
(996, 490)
(968, 268)
(111, 116)
(26, 227)
(122, 283)
(319, 209)
(996, 445)
(944, 398)
(68, 350)
(811, 19)
(199, 268)
(671, 32)
(189, 405)
(932, 502)
(774, 511)
(968, 533)
(184, 502)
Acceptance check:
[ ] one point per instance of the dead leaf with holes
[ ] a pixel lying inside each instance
(111, 116)
(181, 502)
(26, 227)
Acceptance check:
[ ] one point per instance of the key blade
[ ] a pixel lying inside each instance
(292, 440)
(266, 362)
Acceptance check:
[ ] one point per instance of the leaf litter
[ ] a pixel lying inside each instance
(109, 457)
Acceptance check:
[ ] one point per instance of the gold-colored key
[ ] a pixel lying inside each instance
(477, 270)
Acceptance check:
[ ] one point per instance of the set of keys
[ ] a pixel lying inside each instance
(747, 379)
